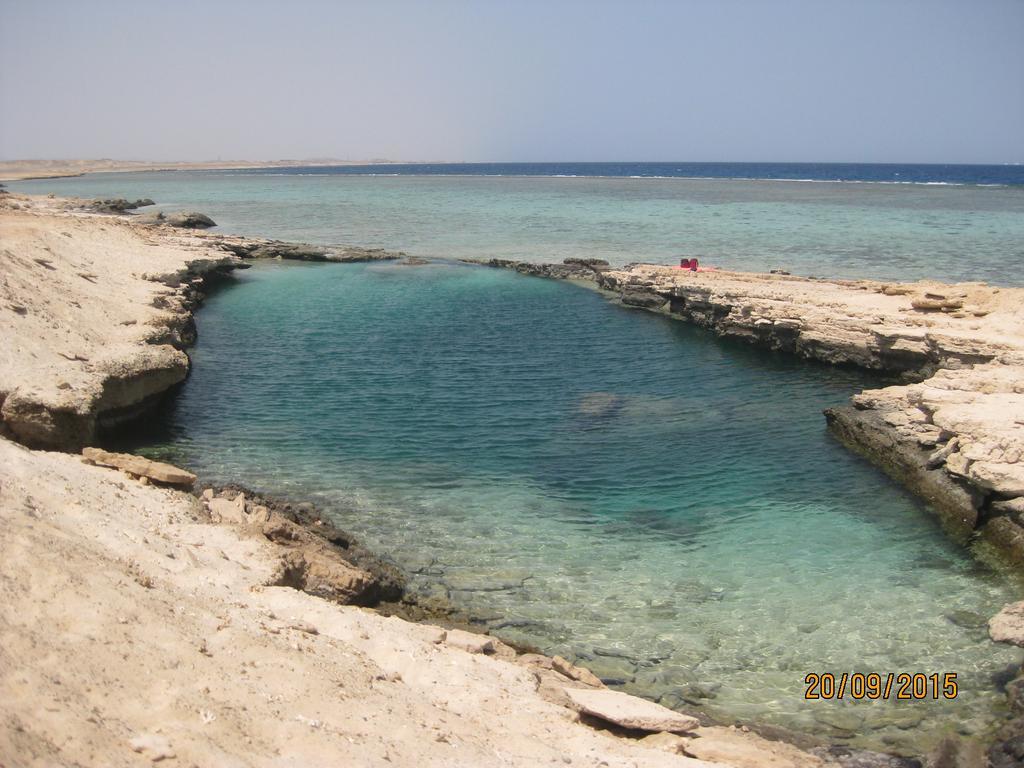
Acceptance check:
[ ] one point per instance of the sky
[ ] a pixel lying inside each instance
(522, 80)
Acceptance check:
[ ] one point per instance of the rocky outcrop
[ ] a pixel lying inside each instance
(116, 205)
(121, 339)
(630, 712)
(140, 467)
(255, 248)
(905, 460)
(860, 323)
(189, 220)
(109, 391)
(570, 269)
(1007, 626)
(957, 439)
(124, 380)
(321, 558)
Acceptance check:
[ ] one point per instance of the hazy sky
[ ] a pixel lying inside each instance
(840, 80)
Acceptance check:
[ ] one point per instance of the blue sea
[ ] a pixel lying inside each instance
(879, 173)
(892, 222)
(613, 486)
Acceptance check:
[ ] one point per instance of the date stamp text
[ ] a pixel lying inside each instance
(899, 686)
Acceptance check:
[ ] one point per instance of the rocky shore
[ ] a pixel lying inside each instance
(108, 337)
(953, 434)
(225, 626)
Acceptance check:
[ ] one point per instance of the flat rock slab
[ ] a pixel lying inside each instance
(469, 641)
(1007, 626)
(137, 465)
(630, 711)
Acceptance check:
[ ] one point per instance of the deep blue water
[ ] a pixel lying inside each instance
(1010, 175)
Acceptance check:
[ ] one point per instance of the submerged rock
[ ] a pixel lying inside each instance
(1007, 626)
(966, 619)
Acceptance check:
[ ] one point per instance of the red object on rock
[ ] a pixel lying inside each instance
(684, 264)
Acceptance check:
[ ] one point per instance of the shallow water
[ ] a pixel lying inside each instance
(886, 231)
(603, 483)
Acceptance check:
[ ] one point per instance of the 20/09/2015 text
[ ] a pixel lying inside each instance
(901, 686)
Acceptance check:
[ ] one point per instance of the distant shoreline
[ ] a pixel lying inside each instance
(26, 170)
(909, 174)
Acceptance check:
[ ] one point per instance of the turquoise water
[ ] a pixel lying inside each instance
(605, 484)
(602, 483)
(887, 231)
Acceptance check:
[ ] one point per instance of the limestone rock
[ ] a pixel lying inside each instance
(156, 471)
(740, 749)
(935, 304)
(572, 269)
(1007, 626)
(1006, 479)
(535, 661)
(592, 263)
(666, 742)
(257, 248)
(260, 515)
(629, 711)
(228, 511)
(643, 299)
(153, 217)
(111, 389)
(938, 457)
(190, 220)
(469, 641)
(580, 674)
(318, 573)
(1013, 506)
(897, 290)
(958, 464)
